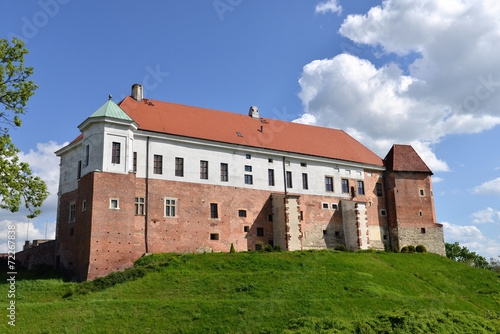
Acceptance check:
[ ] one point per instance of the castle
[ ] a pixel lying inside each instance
(148, 176)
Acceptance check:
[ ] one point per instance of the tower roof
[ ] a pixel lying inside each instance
(111, 109)
(404, 158)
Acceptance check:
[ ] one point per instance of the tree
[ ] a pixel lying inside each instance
(17, 185)
(462, 254)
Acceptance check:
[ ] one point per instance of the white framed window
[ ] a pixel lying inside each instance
(421, 192)
(140, 206)
(383, 213)
(72, 212)
(114, 203)
(335, 206)
(170, 207)
(325, 206)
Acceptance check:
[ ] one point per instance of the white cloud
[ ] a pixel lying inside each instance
(23, 232)
(472, 238)
(491, 187)
(436, 179)
(488, 215)
(451, 86)
(329, 6)
(45, 164)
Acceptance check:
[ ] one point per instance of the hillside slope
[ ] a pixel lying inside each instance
(253, 292)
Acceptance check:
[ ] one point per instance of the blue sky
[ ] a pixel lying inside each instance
(420, 72)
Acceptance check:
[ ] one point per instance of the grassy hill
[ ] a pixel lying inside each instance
(260, 292)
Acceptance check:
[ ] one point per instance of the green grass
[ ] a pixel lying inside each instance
(261, 292)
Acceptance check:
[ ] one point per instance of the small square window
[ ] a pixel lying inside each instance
(260, 231)
(335, 206)
(246, 228)
(303, 164)
(337, 233)
(383, 213)
(325, 205)
(242, 213)
(248, 168)
(114, 203)
(248, 156)
(214, 236)
(325, 232)
(270, 161)
(422, 230)
(248, 179)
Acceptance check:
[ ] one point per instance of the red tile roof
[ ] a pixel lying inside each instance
(221, 126)
(404, 158)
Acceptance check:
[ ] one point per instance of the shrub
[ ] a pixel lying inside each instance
(232, 250)
(411, 249)
(421, 249)
(277, 248)
(404, 249)
(269, 248)
(386, 247)
(341, 248)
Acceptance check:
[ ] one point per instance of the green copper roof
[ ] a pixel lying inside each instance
(111, 109)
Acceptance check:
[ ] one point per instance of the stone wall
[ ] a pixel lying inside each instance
(431, 237)
(43, 254)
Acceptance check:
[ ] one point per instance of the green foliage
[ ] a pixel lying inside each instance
(314, 291)
(17, 184)
(277, 248)
(462, 254)
(404, 249)
(341, 248)
(411, 249)
(421, 249)
(232, 250)
(269, 248)
(386, 247)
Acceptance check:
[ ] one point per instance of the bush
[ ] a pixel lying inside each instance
(411, 249)
(404, 249)
(232, 250)
(269, 248)
(277, 248)
(386, 247)
(341, 248)
(421, 249)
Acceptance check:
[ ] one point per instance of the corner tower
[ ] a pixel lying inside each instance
(410, 201)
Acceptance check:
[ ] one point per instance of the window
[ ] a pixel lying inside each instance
(239, 134)
(420, 213)
(115, 154)
(383, 213)
(72, 212)
(325, 205)
(270, 161)
(378, 189)
(422, 230)
(260, 231)
(79, 171)
(249, 156)
(248, 168)
(337, 233)
(214, 236)
(203, 169)
(139, 206)
(303, 164)
(224, 177)
(170, 207)
(246, 228)
(325, 232)
(301, 215)
(179, 166)
(345, 186)
(248, 179)
(84, 205)
(242, 213)
(114, 203)
(335, 206)
(421, 191)
(270, 176)
(305, 183)
(361, 188)
(289, 179)
(134, 163)
(214, 211)
(87, 155)
(329, 183)
(270, 218)
(158, 164)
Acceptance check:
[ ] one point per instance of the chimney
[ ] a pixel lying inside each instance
(254, 112)
(137, 92)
